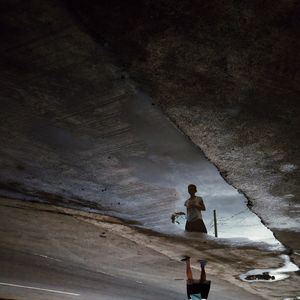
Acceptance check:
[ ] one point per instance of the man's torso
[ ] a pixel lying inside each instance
(193, 213)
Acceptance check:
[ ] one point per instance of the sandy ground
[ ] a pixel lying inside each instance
(105, 245)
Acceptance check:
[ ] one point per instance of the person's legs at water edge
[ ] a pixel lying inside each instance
(196, 288)
(189, 273)
(203, 273)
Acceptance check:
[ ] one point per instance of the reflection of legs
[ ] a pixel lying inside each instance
(203, 273)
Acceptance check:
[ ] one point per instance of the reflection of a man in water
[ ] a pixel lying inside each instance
(194, 206)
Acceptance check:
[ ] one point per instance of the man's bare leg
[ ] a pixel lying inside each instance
(189, 273)
(203, 273)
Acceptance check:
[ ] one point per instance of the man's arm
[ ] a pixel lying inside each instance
(200, 204)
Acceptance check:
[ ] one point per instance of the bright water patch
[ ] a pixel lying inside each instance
(171, 161)
(278, 274)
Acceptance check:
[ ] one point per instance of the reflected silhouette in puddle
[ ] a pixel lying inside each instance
(170, 160)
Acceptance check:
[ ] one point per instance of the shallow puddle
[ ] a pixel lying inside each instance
(271, 275)
(135, 164)
(170, 160)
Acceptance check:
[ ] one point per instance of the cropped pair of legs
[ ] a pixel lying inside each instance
(189, 273)
(196, 288)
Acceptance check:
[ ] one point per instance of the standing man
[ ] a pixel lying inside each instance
(194, 206)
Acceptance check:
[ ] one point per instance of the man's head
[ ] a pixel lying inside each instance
(192, 189)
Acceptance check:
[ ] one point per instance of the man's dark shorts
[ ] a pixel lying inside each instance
(196, 288)
(197, 226)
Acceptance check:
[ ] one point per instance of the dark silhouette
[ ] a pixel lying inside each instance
(194, 206)
(263, 276)
(196, 288)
